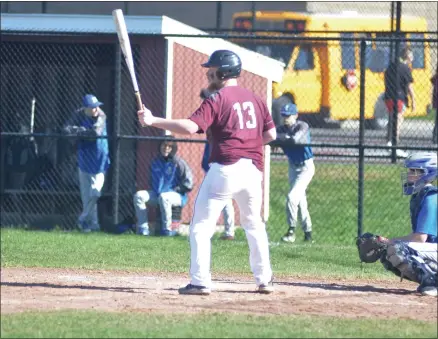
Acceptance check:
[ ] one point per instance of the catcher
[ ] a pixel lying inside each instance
(413, 256)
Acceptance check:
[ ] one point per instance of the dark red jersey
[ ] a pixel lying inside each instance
(237, 119)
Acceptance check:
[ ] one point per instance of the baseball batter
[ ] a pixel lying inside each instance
(240, 125)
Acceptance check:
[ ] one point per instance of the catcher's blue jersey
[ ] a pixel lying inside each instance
(424, 213)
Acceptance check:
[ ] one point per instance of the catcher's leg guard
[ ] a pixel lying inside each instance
(426, 273)
(407, 263)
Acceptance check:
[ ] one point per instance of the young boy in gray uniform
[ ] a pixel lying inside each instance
(301, 170)
(93, 157)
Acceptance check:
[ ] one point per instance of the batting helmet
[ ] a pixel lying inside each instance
(227, 62)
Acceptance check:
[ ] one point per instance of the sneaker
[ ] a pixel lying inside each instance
(289, 237)
(227, 237)
(84, 227)
(194, 290)
(143, 231)
(308, 237)
(167, 233)
(266, 288)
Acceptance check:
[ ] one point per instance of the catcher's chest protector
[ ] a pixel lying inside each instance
(417, 201)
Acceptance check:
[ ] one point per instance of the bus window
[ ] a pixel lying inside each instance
(368, 48)
(347, 52)
(264, 50)
(418, 51)
(304, 60)
(381, 54)
(278, 52)
(269, 25)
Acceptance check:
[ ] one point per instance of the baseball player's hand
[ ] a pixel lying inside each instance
(145, 117)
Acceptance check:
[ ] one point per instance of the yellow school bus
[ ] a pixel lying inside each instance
(322, 77)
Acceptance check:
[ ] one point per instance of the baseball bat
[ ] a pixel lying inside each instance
(125, 45)
(32, 124)
(32, 115)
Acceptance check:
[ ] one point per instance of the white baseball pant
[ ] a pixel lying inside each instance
(242, 182)
(425, 250)
(299, 179)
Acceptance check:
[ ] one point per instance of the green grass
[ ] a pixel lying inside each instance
(426, 117)
(333, 201)
(142, 325)
(332, 197)
(22, 248)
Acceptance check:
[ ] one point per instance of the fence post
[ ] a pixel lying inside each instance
(218, 15)
(391, 50)
(394, 131)
(363, 45)
(116, 129)
(253, 15)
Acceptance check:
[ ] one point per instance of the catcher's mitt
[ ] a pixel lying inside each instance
(371, 247)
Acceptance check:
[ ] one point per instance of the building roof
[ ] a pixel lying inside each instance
(160, 25)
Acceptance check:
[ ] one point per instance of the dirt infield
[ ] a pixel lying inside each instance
(24, 289)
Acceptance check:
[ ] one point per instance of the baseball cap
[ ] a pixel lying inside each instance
(288, 110)
(90, 101)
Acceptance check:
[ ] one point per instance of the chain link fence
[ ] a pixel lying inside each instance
(356, 186)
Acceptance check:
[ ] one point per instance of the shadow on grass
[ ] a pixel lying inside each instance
(82, 287)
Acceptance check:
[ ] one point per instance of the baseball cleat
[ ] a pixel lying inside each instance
(266, 288)
(194, 290)
(289, 237)
(308, 237)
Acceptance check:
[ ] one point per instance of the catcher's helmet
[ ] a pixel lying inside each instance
(228, 63)
(425, 166)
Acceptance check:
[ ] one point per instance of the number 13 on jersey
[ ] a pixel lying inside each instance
(246, 112)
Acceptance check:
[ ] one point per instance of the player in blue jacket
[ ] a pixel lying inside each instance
(171, 179)
(414, 256)
(292, 137)
(89, 122)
